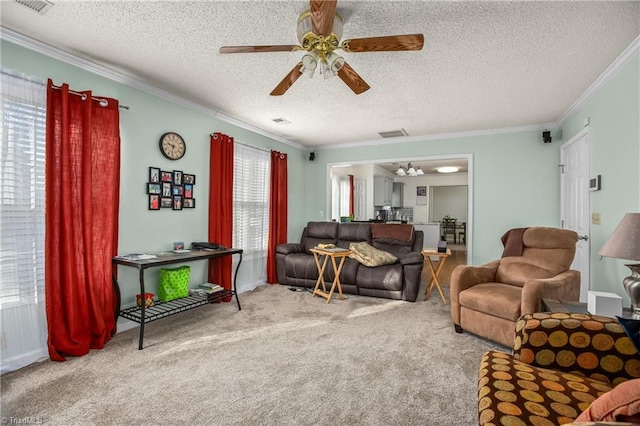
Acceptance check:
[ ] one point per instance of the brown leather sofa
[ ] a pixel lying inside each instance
(487, 300)
(295, 264)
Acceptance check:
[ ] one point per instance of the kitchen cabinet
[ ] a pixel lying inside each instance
(382, 191)
(397, 194)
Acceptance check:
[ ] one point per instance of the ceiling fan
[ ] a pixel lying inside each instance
(319, 33)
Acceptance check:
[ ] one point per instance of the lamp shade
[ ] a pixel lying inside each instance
(624, 243)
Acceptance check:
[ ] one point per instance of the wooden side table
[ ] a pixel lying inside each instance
(427, 253)
(555, 305)
(332, 254)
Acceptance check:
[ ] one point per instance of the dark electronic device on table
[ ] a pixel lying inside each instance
(207, 246)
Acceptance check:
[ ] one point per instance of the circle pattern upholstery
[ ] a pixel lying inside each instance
(561, 363)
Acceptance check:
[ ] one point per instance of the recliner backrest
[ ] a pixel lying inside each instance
(319, 233)
(547, 252)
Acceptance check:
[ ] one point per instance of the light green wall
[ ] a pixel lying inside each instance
(141, 126)
(614, 149)
(515, 178)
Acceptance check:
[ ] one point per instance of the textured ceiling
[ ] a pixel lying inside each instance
(484, 65)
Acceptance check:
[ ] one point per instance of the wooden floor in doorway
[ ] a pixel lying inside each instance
(458, 257)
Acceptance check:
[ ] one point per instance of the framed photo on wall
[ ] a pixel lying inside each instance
(189, 203)
(166, 189)
(188, 190)
(166, 202)
(153, 188)
(189, 179)
(154, 175)
(166, 176)
(177, 177)
(177, 202)
(154, 202)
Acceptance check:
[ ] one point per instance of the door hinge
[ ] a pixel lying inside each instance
(561, 168)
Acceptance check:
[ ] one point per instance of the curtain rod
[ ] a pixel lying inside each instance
(250, 146)
(103, 102)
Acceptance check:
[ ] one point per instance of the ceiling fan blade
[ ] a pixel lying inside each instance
(258, 49)
(385, 43)
(322, 13)
(288, 81)
(352, 79)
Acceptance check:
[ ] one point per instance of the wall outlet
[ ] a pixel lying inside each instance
(321, 213)
(595, 218)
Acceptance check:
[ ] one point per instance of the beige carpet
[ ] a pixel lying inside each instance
(285, 359)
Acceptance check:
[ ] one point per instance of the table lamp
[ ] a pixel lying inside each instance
(624, 243)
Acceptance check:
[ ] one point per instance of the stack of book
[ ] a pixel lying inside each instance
(210, 288)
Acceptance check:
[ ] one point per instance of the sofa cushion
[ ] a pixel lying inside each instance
(353, 232)
(319, 233)
(387, 277)
(495, 299)
(632, 328)
(370, 256)
(510, 390)
(623, 400)
(301, 265)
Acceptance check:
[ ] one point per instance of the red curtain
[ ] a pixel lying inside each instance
(351, 195)
(221, 205)
(277, 211)
(82, 197)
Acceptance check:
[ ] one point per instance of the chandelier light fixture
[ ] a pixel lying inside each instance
(409, 171)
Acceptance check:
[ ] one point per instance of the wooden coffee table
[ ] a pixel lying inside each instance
(555, 305)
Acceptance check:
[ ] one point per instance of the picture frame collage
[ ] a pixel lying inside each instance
(172, 189)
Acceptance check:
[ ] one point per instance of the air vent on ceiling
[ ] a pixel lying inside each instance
(40, 6)
(394, 133)
(281, 121)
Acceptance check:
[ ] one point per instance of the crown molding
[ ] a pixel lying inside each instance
(120, 77)
(621, 61)
(441, 136)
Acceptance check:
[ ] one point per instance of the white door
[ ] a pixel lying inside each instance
(360, 199)
(574, 193)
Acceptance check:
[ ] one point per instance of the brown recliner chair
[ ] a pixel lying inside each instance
(487, 300)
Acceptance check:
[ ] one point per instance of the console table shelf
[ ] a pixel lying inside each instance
(143, 314)
(162, 309)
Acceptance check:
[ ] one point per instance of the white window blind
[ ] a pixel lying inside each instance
(251, 176)
(22, 160)
(22, 220)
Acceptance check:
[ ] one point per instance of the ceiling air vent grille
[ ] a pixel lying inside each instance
(40, 6)
(281, 121)
(394, 133)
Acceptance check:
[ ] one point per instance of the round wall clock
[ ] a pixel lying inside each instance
(172, 146)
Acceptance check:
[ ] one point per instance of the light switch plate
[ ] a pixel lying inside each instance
(595, 218)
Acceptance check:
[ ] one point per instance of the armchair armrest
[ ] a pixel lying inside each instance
(411, 258)
(466, 276)
(564, 286)
(586, 345)
(289, 248)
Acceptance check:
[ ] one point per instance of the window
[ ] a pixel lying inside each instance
(251, 175)
(22, 169)
(340, 196)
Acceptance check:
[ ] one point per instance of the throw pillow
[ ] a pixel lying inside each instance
(621, 402)
(632, 328)
(370, 256)
(174, 283)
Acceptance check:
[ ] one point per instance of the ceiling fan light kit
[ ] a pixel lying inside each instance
(447, 169)
(319, 31)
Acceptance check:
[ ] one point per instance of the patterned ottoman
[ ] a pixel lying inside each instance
(561, 363)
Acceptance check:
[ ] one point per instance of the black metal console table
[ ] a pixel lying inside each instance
(142, 314)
